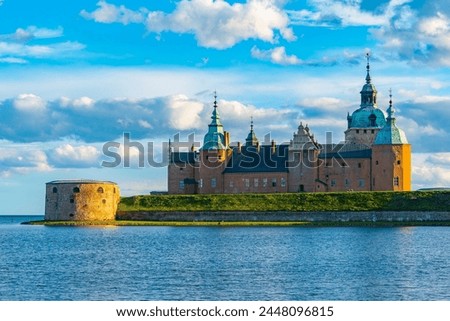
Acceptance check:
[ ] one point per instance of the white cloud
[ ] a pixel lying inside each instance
(431, 99)
(331, 13)
(276, 55)
(431, 170)
(183, 113)
(57, 50)
(435, 26)
(15, 48)
(29, 103)
(108, 13)
(68, 155)
(13, 60)
(22, 159)
(33, 32)
(83, 102)
(215, 24)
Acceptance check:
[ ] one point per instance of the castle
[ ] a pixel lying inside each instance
(375, 156)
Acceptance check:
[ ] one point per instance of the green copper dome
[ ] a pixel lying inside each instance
(367, 117)
(390, 134)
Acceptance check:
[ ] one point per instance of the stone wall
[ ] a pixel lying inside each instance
(286, 216)
(81, 200)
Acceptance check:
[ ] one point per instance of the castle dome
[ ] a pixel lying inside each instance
(390, 134)
(367, 117)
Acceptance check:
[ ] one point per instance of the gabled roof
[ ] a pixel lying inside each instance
(252, 160)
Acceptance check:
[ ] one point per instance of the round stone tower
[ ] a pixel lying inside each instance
(81, 200)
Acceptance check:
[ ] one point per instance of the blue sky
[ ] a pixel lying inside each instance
(77, 74)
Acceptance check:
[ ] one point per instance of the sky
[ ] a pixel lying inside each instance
(79, 77)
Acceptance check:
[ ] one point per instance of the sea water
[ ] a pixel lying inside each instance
(222, 263)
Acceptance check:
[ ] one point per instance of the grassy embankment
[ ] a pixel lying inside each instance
(308, 202)
(304, 202)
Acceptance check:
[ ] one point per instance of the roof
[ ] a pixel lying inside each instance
(390, 134)
(252, 160)
(80, 181)
(344, 150)
(361, 118)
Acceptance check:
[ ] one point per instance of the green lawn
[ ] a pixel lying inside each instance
(345, 201)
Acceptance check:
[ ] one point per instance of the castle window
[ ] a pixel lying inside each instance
(55, 190)
(376, 162)
(396, 181)
(72, 200)
(213, 182)
(114, 190)
(181, 168)
(264, 182)
(181, 184)
(333, 183)
(256, 182)
(247, 183)
(347, 183)
(104, 201)
(373, 131)
(283, 182)
(274, 182)
(365, 131)
(361, 183)
(100, 190)
(71, 215)
(399, 162)
(359, 165)
(76, 189)
(357, 131)
(231, 183)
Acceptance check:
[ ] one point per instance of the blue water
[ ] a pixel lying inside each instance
(222, 263)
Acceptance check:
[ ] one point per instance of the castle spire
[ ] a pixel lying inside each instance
(215, 114)
(368, 79)
(215, 138)
(251, 139)
(391, 109)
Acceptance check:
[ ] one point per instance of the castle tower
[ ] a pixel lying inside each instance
(303, 157)
(391, 157)
(213, 155)
(365, 122)
(251, 139)
(81, 200)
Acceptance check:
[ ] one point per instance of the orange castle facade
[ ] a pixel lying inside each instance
(375, 156)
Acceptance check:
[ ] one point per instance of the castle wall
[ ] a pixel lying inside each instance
(79, 201)
(255, 183)
(182, 178)
(287, 216)
(391, 167)
(303, 170)
(211, 166)
(347, 174)
(364, 136)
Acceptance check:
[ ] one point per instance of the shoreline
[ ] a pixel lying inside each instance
(118, 223)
